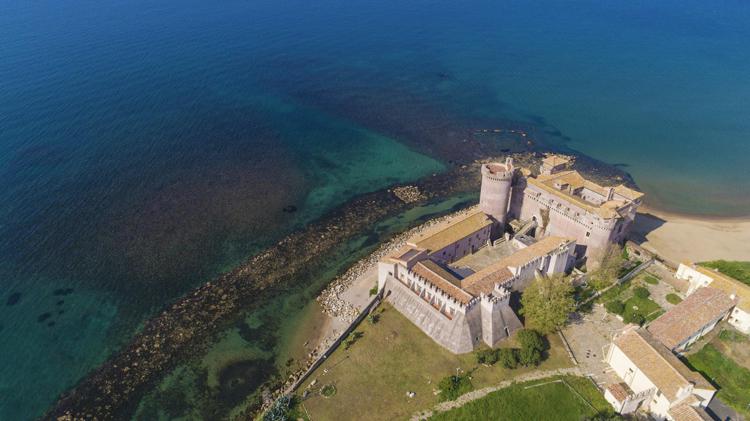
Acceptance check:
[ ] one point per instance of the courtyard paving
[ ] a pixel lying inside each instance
(588, 336)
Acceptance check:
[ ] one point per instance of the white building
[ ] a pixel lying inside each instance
(694, 317)
(653, 379)
(699, 277)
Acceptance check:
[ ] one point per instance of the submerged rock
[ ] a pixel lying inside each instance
(62, 291)
(13, 299)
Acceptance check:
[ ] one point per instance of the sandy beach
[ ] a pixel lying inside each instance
(693, 238)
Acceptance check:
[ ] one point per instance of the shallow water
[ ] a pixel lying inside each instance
(146, 147)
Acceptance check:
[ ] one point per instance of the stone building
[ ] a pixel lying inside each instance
(563, 203)
(460, 311)
(460, 305)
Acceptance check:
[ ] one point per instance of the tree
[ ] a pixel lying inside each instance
(547, 302)
(530, 338)
(529, 356)
(609, 268)
(508, 357)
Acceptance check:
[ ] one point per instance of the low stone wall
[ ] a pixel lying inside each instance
(324, 356)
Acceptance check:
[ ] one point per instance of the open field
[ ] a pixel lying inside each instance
(737, 270)
(565, 398)
(732, 379)
(392, 358)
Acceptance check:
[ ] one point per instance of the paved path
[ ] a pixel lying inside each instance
(480, 393)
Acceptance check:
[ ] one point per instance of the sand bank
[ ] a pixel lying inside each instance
(693, 238)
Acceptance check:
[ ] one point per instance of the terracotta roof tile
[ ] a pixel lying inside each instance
(689, 413)
(658, 363)
(702, 307)
(498, 272)
(450, 233)
(620, 391)
(434, 274)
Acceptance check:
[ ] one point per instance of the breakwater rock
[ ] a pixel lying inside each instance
(111, 391)
(330, 298)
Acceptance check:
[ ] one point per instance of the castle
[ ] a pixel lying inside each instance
(455, 281)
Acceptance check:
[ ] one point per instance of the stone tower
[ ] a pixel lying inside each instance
(496, 189)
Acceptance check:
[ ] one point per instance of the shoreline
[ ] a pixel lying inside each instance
(667, 214)
(680, 237)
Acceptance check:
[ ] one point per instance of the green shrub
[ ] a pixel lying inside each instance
(641, 292)
(650, 280)
(530, 338)
(508, 357)
(328, 390)
(615, 306)
(452, 387)
(673, 298)
(373, 318)
(374, 290)
(634, 317)
(529, 357)
(352, 338)
(486, 356)
(732, 336)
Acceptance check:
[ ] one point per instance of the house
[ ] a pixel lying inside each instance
(699, 276)
(653, 379)
(689, 320)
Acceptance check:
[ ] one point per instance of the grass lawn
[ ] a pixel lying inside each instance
(673, 299)
(737, 270)
(547, 401)
(733, 380)
(649, 309)
(650, 279)
(392, 358)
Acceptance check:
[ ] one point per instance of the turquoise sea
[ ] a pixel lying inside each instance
(148, 146)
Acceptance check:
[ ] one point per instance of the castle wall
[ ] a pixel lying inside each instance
(498, 319)
(460, 334)
(560, 217)
(464, 247)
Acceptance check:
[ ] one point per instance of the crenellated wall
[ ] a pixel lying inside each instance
(565, 218)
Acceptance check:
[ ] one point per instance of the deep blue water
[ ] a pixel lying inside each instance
(146, 146)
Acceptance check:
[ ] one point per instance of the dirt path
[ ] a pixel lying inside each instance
(480, 393)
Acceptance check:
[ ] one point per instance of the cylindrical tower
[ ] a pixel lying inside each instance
(494, 196)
